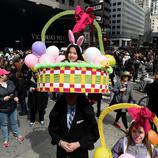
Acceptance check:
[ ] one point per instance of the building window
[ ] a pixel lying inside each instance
(119, 3)
(118, 9)
(113, 27)
(114, 15)
(113, 33)
(118, 15)
(114, 4)
(114, 10)
(113, 21)
(118, 27)
(63, 1)
(118, 32)
(71, 2)
(118, 21)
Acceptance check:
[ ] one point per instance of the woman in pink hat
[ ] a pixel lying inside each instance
(8, 105)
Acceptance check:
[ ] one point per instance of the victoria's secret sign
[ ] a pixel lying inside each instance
(50, 38)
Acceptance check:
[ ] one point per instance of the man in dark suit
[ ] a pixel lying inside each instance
(75, 139)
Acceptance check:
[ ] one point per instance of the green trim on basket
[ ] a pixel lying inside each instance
(67, 64)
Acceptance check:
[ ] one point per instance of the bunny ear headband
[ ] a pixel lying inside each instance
(72, 39)
(142, 116)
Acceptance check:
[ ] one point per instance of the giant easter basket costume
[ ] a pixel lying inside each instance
(78, 77)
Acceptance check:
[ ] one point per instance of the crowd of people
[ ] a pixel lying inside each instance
(73, 125)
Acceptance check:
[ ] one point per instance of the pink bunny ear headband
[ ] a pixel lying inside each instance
(72, 40)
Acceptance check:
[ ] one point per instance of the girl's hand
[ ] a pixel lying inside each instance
(123, 89)
(6, 98)
(16, 99)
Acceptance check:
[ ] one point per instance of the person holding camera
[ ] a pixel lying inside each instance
(8, 108)
(122, 93)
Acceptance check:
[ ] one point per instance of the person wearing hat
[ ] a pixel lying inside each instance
(122, 93)
(8, 108)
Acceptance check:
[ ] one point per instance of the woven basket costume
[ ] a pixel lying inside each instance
(72, 78)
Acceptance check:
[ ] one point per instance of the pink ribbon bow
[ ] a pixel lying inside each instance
(142, 116)
(83, 18)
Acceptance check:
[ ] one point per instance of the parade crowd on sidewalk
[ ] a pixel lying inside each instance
(19, 97)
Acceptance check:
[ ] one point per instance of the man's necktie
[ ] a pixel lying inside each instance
(71, 116)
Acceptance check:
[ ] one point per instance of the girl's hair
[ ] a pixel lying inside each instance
(145, 141)
(78, 50)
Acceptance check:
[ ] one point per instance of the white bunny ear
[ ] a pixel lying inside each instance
(71, 37)
(80, 40)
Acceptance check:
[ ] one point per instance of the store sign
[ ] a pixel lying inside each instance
(98, 7)
(98, 12)
(99, 19)
(54, 39)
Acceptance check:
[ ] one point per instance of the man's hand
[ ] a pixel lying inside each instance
(65, 146)
(74, 145)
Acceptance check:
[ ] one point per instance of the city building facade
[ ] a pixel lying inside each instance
(146, 5)
(143, 3)
(127, 22)
(154, 7)
(154, 22)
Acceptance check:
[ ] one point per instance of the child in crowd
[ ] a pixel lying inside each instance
(37, 102)
(136, 142)
(123, 93)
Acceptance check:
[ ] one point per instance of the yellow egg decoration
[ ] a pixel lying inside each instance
(153, 137)
(111, 60)
(102, 152)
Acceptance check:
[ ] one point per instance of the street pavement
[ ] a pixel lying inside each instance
(37, 143)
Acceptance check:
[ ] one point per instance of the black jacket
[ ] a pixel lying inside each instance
(37, 100)
(152, 92)
(83, 129)
(7, 106)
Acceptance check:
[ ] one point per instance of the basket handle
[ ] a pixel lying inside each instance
(71, 12)
(110, 109)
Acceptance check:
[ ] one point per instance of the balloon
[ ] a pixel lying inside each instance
(101, 60)
(45, 58)
(38, 48)
(33, 69)
(126, 155)
(97, 60)
(91, 53)
(60, 58)
(31, 60)
(53, 51)
(153, 137)
(111, 60)
(102, 152)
